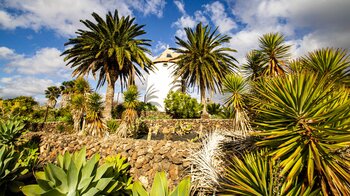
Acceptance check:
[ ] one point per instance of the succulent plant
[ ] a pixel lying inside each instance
(160, 187)
(10, 130)
(74, 175)
(122, 176)
(10, 169)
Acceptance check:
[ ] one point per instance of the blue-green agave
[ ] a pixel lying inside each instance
(74, 175)
(160, 187)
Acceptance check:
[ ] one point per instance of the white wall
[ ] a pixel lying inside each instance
(160, 82)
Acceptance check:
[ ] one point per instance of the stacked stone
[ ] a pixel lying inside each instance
(145, 157)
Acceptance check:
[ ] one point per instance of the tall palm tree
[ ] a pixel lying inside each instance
(236, 90)
(112, 49)
(203, 61)
(51, 93)
(274, 53)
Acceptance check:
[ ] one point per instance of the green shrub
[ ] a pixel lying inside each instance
(146, 107)
(60, 128)
(160, 187)
(181, 105)
(112, 125)
(117, 111)
(10, 131)
(74, 175)
(214, 108)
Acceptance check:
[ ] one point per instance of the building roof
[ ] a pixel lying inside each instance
(167, 56)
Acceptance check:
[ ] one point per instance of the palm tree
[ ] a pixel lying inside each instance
(274, 54)
(304, 121)
(203, 62)
(51, 93)
(236, 90)
(112, 49)
(66, 88)
(252, 69)
(335, 63)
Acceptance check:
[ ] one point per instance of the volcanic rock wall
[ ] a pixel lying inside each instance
(145, 157)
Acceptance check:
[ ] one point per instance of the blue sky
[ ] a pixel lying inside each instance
(33, 32)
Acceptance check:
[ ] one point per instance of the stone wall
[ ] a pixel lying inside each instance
(145, 157)
(165, 125)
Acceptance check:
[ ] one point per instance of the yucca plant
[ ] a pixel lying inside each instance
(160, 187)
(255, 173)
(304, 121)
(330, 62)
(253, 68)
(10, 130)
(274, 54)
(129, 115)
(236, 90)
(74, 175)
(95, 124)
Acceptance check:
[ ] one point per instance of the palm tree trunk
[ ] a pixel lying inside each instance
(46, 113)
(107, 113)
(203, 101)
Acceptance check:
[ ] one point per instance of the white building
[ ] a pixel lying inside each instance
(160, 82)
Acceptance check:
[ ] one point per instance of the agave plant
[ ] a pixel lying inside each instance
(10, 130)
(256, 174)
(121, 169)
(74, 175)
(160, 187)
(10, 168)
(304, 120)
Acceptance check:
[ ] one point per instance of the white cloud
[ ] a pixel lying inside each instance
(160, 47)
(219, 17)
(181, 6)
(63, 16)
(308, 25)
(28, 86)
(6, 53)
(148, 6)
(188, 21)
(44, 61)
